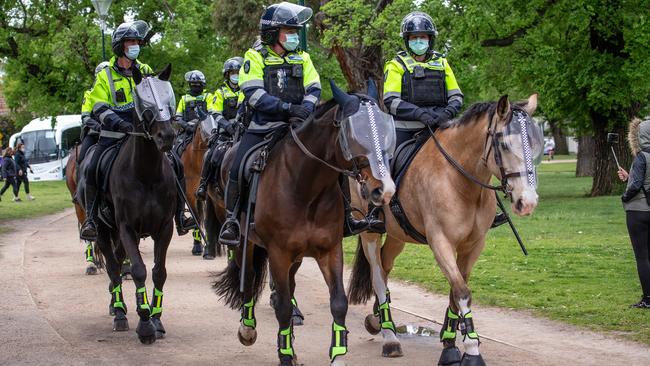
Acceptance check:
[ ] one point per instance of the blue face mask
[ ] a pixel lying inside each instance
(234, 79)
(292, 42)
(132, 52)
(419, 46)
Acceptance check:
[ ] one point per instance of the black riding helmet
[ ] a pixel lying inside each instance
(138, 29)
(196, 81)
(231, 64)
(418, 22)
(282, 15)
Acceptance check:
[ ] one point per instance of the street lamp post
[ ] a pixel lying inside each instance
(303, 31)
(101, 7)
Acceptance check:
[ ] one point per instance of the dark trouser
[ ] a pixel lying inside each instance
(23, 179)
(10, 181)
(638, 226)
(404, 135)
(249, 140)
(86, 143)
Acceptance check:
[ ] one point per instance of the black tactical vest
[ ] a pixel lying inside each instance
(192, 107)
(282, 79)
(423, 84)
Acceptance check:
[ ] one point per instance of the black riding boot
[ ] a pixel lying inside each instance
(206, 176)
(230, 234)
(88, 229)
(351, 226)
(375, 225)
(183, 224)
(499, 219)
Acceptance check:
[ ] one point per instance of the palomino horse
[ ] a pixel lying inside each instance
(299, 213)
(454, 214)
(93, 255)
(142, 197)
(192, 159)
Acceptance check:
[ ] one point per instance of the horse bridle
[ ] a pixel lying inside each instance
(493, 138)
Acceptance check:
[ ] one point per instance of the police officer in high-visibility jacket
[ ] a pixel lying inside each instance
(112, 105)
(222, 105)
(420, 88)
(193, 106)
(278, 82)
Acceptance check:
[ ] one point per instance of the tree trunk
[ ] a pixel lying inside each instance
(605, 165)
(561, 146)
(585, 165)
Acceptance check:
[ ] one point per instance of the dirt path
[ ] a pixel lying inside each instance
(52, 314)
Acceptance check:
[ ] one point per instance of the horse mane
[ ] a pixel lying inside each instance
(323, 108)
(472, 114)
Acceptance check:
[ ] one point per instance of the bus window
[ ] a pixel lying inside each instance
(40, 146)
(69, 138)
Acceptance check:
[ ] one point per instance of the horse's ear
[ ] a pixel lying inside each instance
(137, 75)
(531, 106)
(372, 90)
(503, 107)
(342, 98)
(166, 73)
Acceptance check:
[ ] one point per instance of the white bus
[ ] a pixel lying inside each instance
(47, 144)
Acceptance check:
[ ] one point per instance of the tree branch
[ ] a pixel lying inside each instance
(512, 37)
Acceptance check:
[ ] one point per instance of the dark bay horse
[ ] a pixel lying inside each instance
(142, 197)
(299, 213)
(92, 251)
(454, 214)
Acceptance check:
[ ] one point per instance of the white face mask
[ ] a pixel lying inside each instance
(132, 52)
(292, 42)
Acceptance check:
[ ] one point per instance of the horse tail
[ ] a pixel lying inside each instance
(360, 287)
(226, 285)
(212, 227)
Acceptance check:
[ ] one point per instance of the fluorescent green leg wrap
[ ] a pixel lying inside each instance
(231, 255)
(448, 331)
(142, 300)
(385, 318)
(157, 302)
(467, 326)
(285, 340)
(89, 253)
(196, 235)
(248, 314)
(339, 345)
(117, 298)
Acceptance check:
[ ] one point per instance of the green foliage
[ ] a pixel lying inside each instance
(580, 268)
(51, 197)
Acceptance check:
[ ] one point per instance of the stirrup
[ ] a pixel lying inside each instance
(233, 225)
(88, 231)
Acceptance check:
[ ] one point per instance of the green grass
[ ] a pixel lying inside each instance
(580, 267)
(51, 197)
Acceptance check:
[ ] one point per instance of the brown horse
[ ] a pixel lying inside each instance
(299, 213)
(192, 159)
(94, 259)
(453, 213)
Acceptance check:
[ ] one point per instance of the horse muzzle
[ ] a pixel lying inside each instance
(524, 203)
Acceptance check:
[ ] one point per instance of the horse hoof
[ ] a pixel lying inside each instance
(247, 335)
(208, 257)
(160, 330)
(288, 361)
(392, 350)
(120, 323)
(338, 361)
(450, 357)
(146, 332)
(91, 270)
(372, 324)
(297, 320)
(197, 249)
(111, 310)
(471, 360)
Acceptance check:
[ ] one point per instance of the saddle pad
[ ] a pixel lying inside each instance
(404, 155)
(105, 165)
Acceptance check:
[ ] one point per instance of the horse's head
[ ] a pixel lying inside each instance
(155, 105)
(517, 146)
(367, 140)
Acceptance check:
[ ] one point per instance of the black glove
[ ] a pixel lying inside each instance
(124, 127)
(298, 110)
(428, 119)
(230, 129)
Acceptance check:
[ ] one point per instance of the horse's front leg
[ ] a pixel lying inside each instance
(280, 265)
(331, 266)
(458, 315)
(159, 275)
(117, 306)
(146, 330)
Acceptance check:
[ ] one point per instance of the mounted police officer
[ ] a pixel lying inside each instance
(193, 106)
(420, 88)
(223, 106)
(112, 105)
(278, 83)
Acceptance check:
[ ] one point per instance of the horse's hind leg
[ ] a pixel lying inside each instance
(458, 315)
(280, 265)
(247, 332)
(331, 266)
(91, 267)
(159, 276)
(117, 306)
(146, 330)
